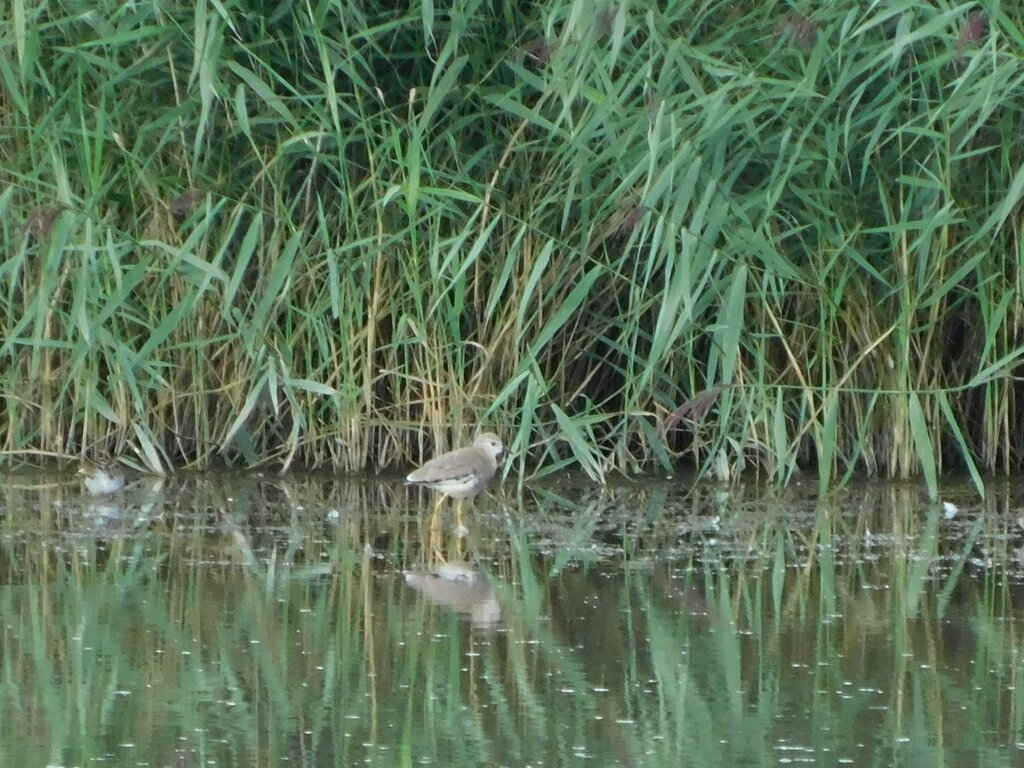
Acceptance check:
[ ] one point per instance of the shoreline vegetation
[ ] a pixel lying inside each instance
(348, 234)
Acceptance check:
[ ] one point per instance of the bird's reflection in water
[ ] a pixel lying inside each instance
(103, 516)
(460, 587)
(131, 509)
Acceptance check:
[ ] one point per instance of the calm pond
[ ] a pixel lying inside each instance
(256, 620)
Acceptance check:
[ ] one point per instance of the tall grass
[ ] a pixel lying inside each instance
(347, 233)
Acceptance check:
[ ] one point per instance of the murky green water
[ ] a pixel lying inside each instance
(260, 621)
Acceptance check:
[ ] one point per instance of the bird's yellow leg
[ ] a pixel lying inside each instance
(461, 540)
(436, 540)
(460, 530)
(436, 535)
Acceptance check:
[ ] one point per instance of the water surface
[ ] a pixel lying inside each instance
(248, 620)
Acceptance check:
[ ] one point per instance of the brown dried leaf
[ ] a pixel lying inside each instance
(183, 205)
(540, 50)
(800, 30)
(631, 220)
(973, 30)
(41, 219)
(693, 410)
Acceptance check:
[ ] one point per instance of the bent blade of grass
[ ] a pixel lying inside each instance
(265, 92)
(674, 316)
(527, 413)
(515, 108)
(575, 543)
(780, 438)
(1010, 202)
(441, 89)
(509, 260)
(778, 577)
(313, 387)
(582, 449)
(923, 443)
(205, 64)
(566, 312)
(255, 392)
(826, 443)
(540, 266)
(994, 319)
(274, 291)
(961, 441)
(453, 251)
(98, 403)
(923, 560)
(731, 323)
(412, 170)
(243, 255)
(655, 441)
(827, 564)
(168, 325)
(241, 110)
(185, 255)
(996, 370)
(953, 578)
(154, 459)
(936, 293)
(41, 306)
(13, 87)
(20, 29)
(200, 36)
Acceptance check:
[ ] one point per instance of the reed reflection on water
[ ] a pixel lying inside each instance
(249, 620)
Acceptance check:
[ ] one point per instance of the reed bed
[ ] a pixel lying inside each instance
(347, 233)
